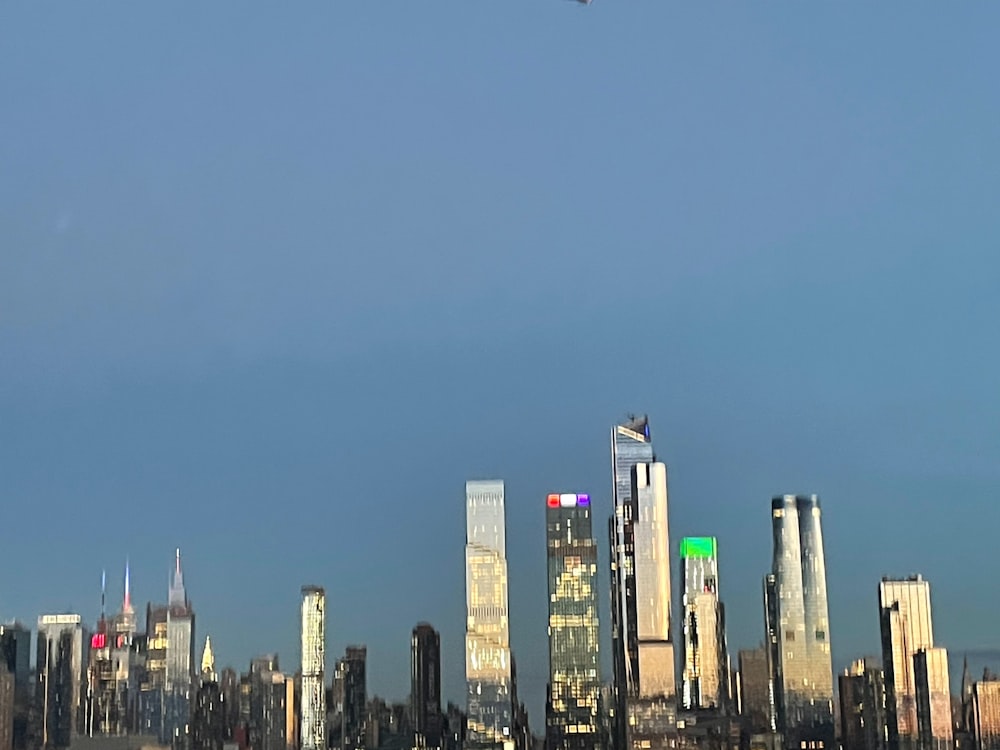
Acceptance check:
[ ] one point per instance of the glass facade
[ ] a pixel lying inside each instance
(798, 624)
(425, 686)
(61, 666)
(313, 732)
(705, 675)
(645, 710)
(906, 627)
(574, 680)
(487, 640)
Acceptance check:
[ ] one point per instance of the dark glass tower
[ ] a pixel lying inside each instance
(571, 713)
(351, 670)
(425, 686)
(798, 625)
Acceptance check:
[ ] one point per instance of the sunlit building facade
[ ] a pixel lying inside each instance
(986, 714)
(906, 627)
(313, 723)
(573, 701)
(645, 714)
(933, 697)
(705, 673)
(489, 706)
(797, 624)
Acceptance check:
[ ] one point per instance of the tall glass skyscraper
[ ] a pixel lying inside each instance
(487, 636)
(425, 686)
(907, 629)
(798, 624)
(705, 674)
(643, 651)
(313, 661)
(571, 712)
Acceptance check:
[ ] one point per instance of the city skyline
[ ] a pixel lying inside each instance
(177, 597)
(249, 253)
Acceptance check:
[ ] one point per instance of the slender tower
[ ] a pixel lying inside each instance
(571, 712)
(798, 625)
(487, 638)
(313, 659)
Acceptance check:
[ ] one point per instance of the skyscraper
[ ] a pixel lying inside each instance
(61, 663)
(798, 624)
(706, 658)
(425, 686)
(986, 714)
(906, 627)
(352, 674)
(179, 668)
(643, 658)
(933, 697)
(313, 657)
(487, 637)
(571, 720)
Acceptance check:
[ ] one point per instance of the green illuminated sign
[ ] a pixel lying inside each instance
(698, 546)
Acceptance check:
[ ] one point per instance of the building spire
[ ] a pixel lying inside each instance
(208, 661)
(178, 596)
(127, 603)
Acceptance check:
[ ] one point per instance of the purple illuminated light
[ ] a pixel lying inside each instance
(583, 499)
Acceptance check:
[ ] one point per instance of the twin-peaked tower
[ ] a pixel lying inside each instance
(797, 623)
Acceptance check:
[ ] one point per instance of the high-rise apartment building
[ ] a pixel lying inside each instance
(574, 691)
(933, 698)
(755, 703)
(986, 714)
(313, 732)
(61, 665)
(352, 676)
(642, 643)
(489, 706)
(906, 628)
(705, 674)
(862, 707)
(798, 625)
(425, 687)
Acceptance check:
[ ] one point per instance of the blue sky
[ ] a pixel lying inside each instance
(276, 280)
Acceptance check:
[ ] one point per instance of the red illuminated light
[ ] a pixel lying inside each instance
(553, 501)
(98, 640)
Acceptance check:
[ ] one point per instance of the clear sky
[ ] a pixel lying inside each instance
(277, 278)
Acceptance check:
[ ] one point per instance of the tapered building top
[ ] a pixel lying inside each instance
(208, 661)
(177, 596)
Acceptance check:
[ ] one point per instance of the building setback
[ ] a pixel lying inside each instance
(705, 672)
(489, 703)
(906, 627)
(645, 692)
